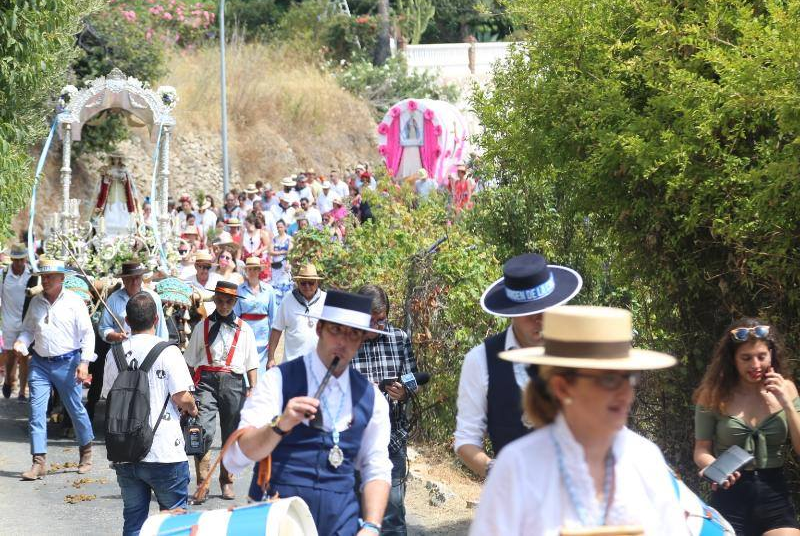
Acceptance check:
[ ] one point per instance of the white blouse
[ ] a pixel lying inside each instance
(525, 493)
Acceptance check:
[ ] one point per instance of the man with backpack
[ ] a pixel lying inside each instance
(144, 438)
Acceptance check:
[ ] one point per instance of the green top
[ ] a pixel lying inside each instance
(765, 441)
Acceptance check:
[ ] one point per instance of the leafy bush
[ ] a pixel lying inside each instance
(670, 132)
(37, 42)
(393, 81)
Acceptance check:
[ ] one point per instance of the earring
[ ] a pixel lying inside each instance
(567, 401)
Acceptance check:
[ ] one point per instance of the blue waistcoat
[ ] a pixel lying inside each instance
(300, 464)
(504, 398)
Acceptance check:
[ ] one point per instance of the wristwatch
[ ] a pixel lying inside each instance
(277, 429)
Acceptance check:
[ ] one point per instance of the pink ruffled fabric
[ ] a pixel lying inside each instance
(430, 149)
(394, 151)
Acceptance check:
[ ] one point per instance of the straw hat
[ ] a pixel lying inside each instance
(582, 336)
(203, 256)
(50, 266)
(325, 184)
(251, 189)
(337, 200)
(353, 310)
(300, 215)
(529, 286)
(191, 230)
(308, 272)
(18, 251)
(233, 222)
(253, 262)
(288, 181)
(422, 173)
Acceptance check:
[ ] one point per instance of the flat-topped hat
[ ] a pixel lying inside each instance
(227, 288)
(251, 189)
(233, 222)
(288, 181)
(325, 184)
(529, 286)
(308, 272)
(18, 251)
(348, 309)
(253, 262)
(50, 266)
(583, 336)
(203, 256)
(132, 269)
(191, 230)
(300, 215)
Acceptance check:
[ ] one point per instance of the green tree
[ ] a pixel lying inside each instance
(37, 42)
(668, 130)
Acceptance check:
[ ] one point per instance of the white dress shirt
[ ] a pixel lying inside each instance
(525, 494)
(473, 386)
(245, 357)
(12, 297)
(166, 377)
(267, 401)
(324, 202)
(299, 330)
(60, 327)
(205, 220)
(340, 188)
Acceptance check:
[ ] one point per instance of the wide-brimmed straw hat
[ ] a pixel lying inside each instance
(233, 222)
(347, 309)
(203, 256)
(227, 288)
(253, 262)
(530, 286)
(308, 272)
(132, 269)
(18, 251)
(191, 230)
(251, 189)
(288, 181)
(583, 336)
(50, 266)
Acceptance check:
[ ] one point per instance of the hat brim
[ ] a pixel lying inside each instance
(568, 283)
(63, 271)
(346, 323)
(308, 278)
(215, 291)
(140, 271)
(635, 360)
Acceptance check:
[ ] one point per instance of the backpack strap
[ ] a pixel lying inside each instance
(160, 415)
(153, 354)
(119, 356)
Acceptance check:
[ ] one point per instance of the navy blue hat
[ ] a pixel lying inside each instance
(353, 310)
(529, 286)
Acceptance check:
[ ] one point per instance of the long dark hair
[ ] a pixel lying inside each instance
(721, 376)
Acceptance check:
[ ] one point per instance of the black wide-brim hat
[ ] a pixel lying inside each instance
(132, 268)
(226, 288)
(530, 286)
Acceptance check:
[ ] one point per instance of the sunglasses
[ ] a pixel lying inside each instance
(611, 381)
(378, 323)
(202, 267)
(743, 334)
(306, 283)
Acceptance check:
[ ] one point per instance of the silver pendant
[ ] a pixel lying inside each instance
(336, 456)
(310, 322)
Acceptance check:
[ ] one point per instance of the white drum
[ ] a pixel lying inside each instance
(284, 517)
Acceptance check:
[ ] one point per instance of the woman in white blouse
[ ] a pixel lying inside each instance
(582, 467)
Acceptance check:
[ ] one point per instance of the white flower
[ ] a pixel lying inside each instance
(168, 95)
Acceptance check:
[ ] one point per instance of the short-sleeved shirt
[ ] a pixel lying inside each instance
(299, 331)
(764, 441)
(168, 375)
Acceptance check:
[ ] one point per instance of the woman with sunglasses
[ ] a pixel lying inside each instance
(581, 468)
(746, 399)
(226, 266)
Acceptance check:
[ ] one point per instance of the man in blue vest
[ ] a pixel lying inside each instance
(490, 389)
(315, 460)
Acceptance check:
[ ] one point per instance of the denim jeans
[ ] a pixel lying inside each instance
(169, 482)
(61, 375)
(394, 519)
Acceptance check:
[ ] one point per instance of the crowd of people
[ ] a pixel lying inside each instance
(327, 420)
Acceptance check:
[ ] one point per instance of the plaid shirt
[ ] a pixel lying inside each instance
(388, 357)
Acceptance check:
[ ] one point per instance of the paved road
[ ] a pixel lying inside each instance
(41, 507)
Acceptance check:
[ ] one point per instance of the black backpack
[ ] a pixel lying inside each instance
(128, 433)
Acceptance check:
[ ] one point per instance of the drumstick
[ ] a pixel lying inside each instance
(322, 385)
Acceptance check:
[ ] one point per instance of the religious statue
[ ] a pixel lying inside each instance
(116, 202)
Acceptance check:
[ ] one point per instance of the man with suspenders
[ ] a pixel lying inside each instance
(221, 351)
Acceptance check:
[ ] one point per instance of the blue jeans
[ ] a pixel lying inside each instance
(61, 375)
(394, 519)
(169, 482)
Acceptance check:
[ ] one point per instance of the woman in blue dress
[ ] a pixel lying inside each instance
(281, 272)
(257, 308)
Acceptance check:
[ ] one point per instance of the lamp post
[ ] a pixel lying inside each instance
(223, 91)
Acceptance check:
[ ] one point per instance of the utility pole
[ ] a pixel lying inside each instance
(382, 49)
(224, 93)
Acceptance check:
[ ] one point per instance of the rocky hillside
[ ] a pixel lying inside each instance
(284, 115)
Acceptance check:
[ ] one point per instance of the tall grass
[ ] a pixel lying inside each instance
(283, 111)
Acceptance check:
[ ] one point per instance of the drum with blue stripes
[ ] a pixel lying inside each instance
(284, 517)
(702, 520)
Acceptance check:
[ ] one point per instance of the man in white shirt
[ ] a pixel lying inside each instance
(284, 210)
(317, 444)
(112, 324)
(292, 318)
(221, 351)
(164, 471)
(205, 219)
(13, 282)
(186, 267)
(312, 214)
(324, 200)
(303, 189)
(490, 389)
(57, 323)
(204, 280)
(338, 186)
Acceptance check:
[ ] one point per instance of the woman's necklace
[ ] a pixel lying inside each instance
(580, 509)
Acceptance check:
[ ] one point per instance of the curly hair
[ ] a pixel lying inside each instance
(539, 404)
(721, 376)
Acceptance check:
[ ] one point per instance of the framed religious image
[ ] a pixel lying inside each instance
(411, 129)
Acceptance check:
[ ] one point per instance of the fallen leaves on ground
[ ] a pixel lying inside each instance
(83, 481)
(81, 497)
(58, 466)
